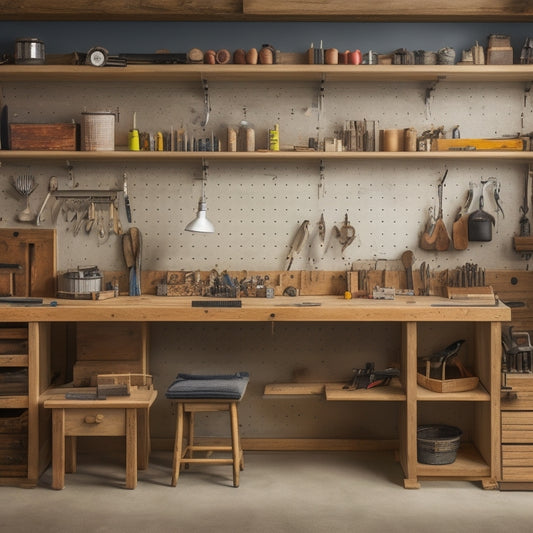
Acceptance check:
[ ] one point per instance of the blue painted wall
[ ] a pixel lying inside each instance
(144, 37)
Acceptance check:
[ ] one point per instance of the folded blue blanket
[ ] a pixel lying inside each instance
(225, 386)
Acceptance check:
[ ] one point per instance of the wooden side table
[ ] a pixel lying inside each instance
(115, 416)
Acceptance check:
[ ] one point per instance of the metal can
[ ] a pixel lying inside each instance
(29, 51)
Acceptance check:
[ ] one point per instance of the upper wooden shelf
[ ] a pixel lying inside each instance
(176, 157)
(251, 73)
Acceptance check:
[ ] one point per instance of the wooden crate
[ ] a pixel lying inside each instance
(43, 136)
(13, 442)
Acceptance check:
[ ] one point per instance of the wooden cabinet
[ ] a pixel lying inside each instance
(23, 433)
(517, 431)
(478, 456)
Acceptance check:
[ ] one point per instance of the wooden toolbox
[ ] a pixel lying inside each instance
(43, 136)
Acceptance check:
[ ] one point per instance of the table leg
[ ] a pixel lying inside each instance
(58, 448)
(131, 448)
(70, 454)
(143, 438)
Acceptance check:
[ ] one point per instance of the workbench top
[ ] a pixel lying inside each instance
(281, 308)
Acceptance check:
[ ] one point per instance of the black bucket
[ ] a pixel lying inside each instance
(437, 444)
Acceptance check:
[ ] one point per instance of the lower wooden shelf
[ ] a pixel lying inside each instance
(468, 465)
(335, 391)
(479, 394)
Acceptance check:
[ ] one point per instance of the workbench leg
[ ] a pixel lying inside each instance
(131, 448)
(70, 454)
(143, 438)
(411, 483)
(58, 448)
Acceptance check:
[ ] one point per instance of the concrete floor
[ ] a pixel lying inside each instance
(280, 492)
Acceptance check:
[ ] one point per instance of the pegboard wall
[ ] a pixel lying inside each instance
(257, 207)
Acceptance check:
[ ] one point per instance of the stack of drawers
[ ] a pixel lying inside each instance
(517, 430)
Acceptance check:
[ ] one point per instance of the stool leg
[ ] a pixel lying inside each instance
(235, 443)
(191, 436)
(178, 446)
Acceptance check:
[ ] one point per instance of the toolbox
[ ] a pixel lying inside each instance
(44, 136)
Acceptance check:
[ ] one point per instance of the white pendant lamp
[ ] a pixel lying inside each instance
(201, 224)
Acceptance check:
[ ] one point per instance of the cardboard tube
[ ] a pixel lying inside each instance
(392, 140)
(410, 140)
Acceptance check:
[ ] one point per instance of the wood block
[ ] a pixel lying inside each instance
(85, 373)
(478, 144)
(35, 250)
(43, 136)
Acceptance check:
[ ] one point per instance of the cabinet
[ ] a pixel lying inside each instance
(24, 349)
(475, 411)
(517, 431)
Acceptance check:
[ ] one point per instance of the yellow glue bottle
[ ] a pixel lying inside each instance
(273, 139)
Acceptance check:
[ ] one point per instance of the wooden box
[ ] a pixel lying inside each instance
(43, 136)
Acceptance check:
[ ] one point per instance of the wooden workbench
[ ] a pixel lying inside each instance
(477, 460)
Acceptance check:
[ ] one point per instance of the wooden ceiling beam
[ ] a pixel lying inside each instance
(392, 10)
(269, 10)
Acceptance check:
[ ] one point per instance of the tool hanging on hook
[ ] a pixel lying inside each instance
(207, 104)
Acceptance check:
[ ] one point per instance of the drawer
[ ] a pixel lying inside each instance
(517, 427)
(101, 422)
(517, 462)
(516, 401)
(518, 382)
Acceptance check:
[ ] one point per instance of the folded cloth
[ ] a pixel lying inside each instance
(231, 387)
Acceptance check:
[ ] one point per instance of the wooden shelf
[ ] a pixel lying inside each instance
(334, 391)
(13, 360)
(468, 465)
(251, 73)
(14, 402)
(297, 389)
(159, 157)
(478, 394)
(390, 393)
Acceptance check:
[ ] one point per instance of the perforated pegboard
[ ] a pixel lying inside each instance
(258, 206)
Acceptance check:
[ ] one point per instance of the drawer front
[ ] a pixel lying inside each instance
(86, 422)
(517, 462)
(517, 427)
(518, 382)
(516, 401)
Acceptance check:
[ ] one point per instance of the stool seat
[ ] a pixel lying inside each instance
(207, 393)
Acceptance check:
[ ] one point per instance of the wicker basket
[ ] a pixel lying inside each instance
(98, 131)
(437, 444)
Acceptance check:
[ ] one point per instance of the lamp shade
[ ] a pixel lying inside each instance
(201, 224)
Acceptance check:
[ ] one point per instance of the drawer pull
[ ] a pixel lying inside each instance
(94, 419)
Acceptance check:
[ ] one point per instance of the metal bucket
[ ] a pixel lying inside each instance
(29, 51)
(98, 131)
(437, 444)
(81, 281)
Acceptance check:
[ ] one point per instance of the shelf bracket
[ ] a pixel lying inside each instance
(207, 104)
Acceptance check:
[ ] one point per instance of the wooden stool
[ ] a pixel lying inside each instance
(203, 394)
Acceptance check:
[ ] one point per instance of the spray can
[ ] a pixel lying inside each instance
(273, 139)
